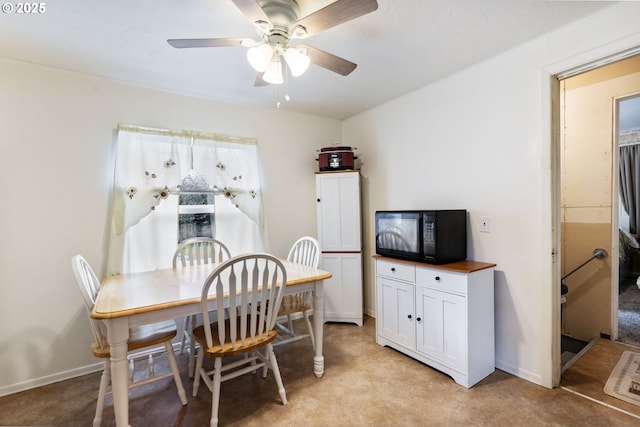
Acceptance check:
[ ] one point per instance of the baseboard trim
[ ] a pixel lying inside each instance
(50, 379)
(518, 372)
(73, 373)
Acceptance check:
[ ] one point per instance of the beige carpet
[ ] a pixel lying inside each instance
(624, 381)
(629, 312)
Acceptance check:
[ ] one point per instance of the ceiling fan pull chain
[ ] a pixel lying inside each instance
(286, 84)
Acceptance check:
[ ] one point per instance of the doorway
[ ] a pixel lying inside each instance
(627, 132)
(588, 178)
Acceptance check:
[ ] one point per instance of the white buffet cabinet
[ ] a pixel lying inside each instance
(441, 315)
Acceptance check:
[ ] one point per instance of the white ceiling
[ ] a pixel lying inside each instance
(402, 46)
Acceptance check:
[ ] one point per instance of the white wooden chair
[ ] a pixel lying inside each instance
(306, 251)
(196, 251)
(141, 337)
(250, 287)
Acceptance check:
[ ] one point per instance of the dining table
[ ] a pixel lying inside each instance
(128, 300)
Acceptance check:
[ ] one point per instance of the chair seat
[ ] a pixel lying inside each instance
(141, 337)
(294, 304)
(230, 348)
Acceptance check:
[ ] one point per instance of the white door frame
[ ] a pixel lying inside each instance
(552, 75)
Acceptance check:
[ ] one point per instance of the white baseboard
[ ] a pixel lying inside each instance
(50, 379)
(518, 372)
(71, 373)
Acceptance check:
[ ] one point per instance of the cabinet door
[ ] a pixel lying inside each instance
(343, 291)
(395, 312)
(442, 328)
(338, 196)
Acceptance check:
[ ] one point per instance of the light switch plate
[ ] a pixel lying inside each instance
(485, 224)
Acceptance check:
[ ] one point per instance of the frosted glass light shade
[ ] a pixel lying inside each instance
(298, 62)
(273, 74)
(260, 57)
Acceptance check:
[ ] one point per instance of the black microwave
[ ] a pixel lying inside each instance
(435, 237)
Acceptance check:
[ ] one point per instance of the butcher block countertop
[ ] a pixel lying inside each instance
(466, 266)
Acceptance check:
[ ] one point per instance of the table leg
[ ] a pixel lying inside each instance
(318, 326)
(118, 336)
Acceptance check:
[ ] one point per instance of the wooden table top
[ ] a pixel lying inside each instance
(127, 294)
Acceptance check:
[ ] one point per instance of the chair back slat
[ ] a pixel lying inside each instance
(200, 250)
(89, 286)
(251, 288)
(305, 251)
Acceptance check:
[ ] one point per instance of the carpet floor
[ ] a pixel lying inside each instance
(629, 313)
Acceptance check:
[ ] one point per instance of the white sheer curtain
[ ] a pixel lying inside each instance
(150, 166)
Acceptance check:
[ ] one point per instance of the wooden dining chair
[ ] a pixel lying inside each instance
(196, 251)
(251, 288)
(140, 337)
(306, 251)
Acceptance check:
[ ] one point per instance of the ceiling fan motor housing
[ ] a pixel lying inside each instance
(281, 13)
(278, 41)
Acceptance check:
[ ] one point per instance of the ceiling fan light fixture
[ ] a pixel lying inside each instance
(259, 57)
(273, 74)
(263, 27)
(299, 32)
(297, 61)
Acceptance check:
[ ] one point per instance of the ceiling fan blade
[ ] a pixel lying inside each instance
(335, 14)
(252, 10)
(260, 81)
(187, 43)
(329, 61)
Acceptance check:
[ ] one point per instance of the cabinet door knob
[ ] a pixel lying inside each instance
(409, 317)
(418, 319)
(318, 200)
(438, 278)
(393, 269)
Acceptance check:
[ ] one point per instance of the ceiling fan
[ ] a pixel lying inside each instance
(278, 22)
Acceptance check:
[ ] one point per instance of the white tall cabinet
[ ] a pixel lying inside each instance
(339, 233)
(441, 315)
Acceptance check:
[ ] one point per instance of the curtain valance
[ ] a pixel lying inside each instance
(153, 166)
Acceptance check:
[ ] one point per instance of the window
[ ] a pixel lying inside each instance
(196, 208)
(172, 185)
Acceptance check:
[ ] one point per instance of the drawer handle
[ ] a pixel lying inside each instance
(393, 269)
(437, 278)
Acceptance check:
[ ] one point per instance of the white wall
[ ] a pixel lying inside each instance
(57, 139)
(481, 140)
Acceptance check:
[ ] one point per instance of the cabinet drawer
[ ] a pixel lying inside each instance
(396, 270)
(442, 280)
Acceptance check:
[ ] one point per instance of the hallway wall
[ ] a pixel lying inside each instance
(589, 189)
